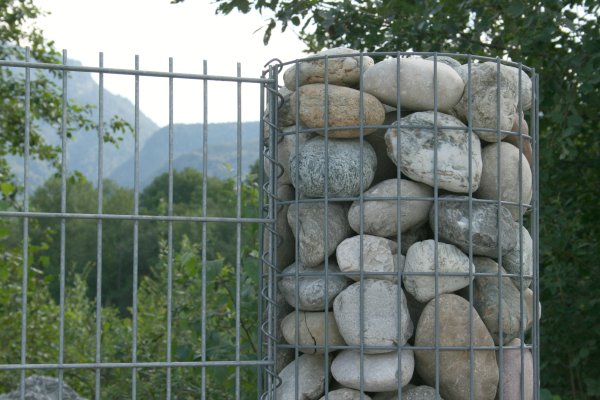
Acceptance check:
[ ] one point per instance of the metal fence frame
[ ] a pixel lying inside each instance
(27, 65)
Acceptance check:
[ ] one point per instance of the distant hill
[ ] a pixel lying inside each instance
(82, 149)
(187, 151)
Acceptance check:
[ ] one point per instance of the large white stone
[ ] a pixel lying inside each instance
(417, 84)
(380, 315)
(381, 216)
(311, 378)
(512, 182)
(379, 255)
(484, 92)
(451, 154)
(311, 331)
(343, 68)
(420, 259)
(381, 372)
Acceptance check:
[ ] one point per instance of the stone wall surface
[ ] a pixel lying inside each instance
(408, 199)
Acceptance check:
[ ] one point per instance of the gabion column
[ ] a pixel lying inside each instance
(402, 261)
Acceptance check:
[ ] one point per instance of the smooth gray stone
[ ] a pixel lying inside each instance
(311, 286)
(310, 232)
(311, 331)
(421, 259)
(458, 161)
(343, 71)
(345, 394)
(381, 216)
(39, 387)
(454, 327)
(453, 226)
(311, 378)
(506, 186)
(380, 371)
(511, 261)
(511, 373)
(338, 162)
(283, 239)
(343, 111)
(484, 95)
(416, 84)
(528, 297)
(449, 61)
(380, 315)
(378, 255)
(485, 300)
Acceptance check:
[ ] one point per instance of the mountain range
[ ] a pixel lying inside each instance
(118, 160)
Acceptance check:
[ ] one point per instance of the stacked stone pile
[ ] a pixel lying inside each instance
(361, 272)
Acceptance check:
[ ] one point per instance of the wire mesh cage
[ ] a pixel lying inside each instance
(402, 256)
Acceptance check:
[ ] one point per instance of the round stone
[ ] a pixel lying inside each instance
(343, 164)
(343, 111)
(379, 256)
(380, 372)
(484, 85)
(343, 68)
(453, 226)
(420, 266)
(511, 372)
(454, 328)
(511, 183)
(312, 286)
(522, 141)
(528, 297)
(285, 239)
(310, 370)
(311, 228)
(417, 84)
(380, 217)
(380, 315)
(452, 154)
(286, 148)
(311, 331)
(345, 394)
(494, 308)
(511, 261)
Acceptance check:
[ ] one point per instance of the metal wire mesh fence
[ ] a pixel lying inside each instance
(385, 247)
(402, 255)
(188, 327)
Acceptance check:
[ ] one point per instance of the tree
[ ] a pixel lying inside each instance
(18, 30)
(561, 39)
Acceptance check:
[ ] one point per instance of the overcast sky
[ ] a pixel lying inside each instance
(156, 30)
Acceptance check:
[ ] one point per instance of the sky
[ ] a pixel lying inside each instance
(189, 32)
